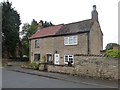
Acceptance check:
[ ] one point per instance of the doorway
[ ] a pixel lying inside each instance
(57, 59)
(49, 59)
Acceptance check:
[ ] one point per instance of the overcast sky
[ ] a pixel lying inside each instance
(67, 11)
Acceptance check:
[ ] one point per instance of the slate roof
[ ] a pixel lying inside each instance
(76, 27)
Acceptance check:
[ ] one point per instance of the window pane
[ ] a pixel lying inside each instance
(66, 40)
(36, 57)
(70, 40)
(71, 58)
(75, 39)
(66, 58)
(49, 58)
(36, 43)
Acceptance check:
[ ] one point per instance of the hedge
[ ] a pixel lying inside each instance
(113, 53)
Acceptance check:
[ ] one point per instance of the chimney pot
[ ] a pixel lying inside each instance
(94, 7)
(40, 25)
(94, 13)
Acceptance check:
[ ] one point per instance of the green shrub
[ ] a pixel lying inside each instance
(113, 53)
(35, 65)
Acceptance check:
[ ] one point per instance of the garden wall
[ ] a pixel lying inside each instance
(92, 66)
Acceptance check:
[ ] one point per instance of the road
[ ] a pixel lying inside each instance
(11, 79)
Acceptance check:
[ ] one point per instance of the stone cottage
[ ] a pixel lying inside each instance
(59, 43)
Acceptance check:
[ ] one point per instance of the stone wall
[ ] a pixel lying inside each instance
(60, 69)
(101, 67)
(49, 45)
(95, 39)
(91, 66)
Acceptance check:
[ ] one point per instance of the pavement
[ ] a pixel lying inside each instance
(70, 78)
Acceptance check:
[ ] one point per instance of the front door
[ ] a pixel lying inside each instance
(49, 58)
(57, 59)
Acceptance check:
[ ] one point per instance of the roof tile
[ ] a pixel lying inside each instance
(81, 26)
(48, 31)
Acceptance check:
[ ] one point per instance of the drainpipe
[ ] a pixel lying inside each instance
(88, 43)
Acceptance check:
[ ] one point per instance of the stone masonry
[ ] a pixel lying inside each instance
(91, 66)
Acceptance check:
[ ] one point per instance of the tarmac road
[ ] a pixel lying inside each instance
(11, 79)
(16, 77)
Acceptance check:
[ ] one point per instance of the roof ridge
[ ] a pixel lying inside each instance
(52, 26)
(78, 21)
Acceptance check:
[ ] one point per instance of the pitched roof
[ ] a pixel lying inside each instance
(76, 27)
(48, 31)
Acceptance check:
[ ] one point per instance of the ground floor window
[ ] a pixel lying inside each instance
(36, 57)
(68, 58)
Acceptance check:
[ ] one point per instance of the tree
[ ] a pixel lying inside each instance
(110, 46)
(10, 28)
(47, 24)
(28, 30)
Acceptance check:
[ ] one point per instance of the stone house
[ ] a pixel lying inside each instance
(60, 43)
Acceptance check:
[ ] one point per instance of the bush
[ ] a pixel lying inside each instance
(113, 53)
(35, 65)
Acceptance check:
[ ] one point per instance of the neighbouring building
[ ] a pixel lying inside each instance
(59, 43)
(116, 47)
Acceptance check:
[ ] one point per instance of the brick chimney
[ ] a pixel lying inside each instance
(40, 25)
(94, 13)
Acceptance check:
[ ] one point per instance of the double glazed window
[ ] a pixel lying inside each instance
(68, 58)
(71, 40)
(37, 44)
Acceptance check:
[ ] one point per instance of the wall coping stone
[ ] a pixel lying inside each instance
(89, 55)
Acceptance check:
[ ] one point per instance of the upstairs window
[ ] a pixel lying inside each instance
(37, 44)
(71, 40)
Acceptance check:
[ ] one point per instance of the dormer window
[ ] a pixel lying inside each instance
(37, 44)
(71, 40)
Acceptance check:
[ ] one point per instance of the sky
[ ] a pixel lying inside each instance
(67, 11)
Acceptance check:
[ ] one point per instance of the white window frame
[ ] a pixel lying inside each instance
(69, 56)
(71, 40)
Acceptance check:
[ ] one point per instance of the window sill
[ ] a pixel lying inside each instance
(70, 44)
